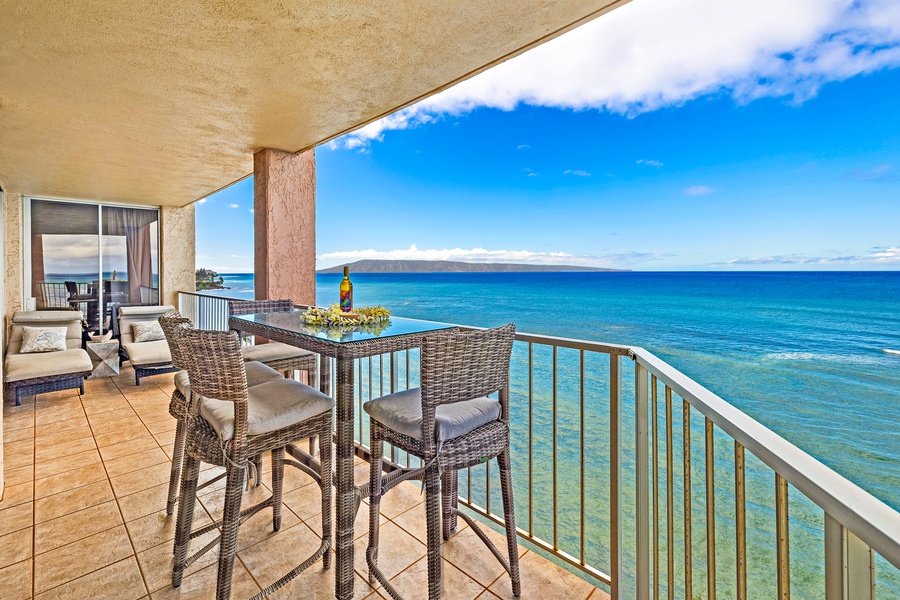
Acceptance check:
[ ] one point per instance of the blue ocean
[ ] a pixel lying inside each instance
(813, 356)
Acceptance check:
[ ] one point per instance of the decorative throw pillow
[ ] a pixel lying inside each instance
(43, 339)
(147, 331)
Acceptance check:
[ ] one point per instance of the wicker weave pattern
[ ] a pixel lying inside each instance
(249, 307)
(16, 390)
(168, 322)
(306, 362)
(216, 369)
(344, 353)
(178, 405)
(454, 367)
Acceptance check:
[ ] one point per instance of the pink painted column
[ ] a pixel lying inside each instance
(284, 201)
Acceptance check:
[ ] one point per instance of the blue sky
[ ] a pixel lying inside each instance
(732, 152)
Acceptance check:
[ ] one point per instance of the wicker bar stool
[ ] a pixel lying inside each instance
(450, 423)
(256, 373)
(279, 356)
(227, 424)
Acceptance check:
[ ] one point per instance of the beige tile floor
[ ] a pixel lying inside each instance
(83, 515)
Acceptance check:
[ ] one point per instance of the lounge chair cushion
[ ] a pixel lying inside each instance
(30, 366)
(148, 353)
(271, 406)
(272, 351)
(43, 339)
(402, 412)
(257, 373)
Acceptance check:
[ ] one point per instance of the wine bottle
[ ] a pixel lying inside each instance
(346, 292)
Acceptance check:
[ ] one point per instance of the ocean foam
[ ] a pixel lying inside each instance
(825, 358)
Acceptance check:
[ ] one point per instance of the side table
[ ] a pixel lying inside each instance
(104, 357)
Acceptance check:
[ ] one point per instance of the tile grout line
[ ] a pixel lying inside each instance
(33, 499)
(146, 586)
(119, 506)
(34, 530)
(34, 515)
(116, 498)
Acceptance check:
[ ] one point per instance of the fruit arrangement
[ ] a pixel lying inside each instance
(332, 315)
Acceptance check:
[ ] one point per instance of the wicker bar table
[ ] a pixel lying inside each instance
(344, 347)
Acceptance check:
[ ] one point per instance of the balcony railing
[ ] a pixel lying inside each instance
(639, 478)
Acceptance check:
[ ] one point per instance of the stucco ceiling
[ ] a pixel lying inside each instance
(165, 102)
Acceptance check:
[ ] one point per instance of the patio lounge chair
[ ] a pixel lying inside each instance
(39, 372)
(147, 358)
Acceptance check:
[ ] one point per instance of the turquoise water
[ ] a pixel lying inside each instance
(803, 353)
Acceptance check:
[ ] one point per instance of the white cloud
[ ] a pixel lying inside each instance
(522, 147)
(650, 54)
(877, 256)
(876, 173)
(234, 206)
(251, 212)
(884, 255)
(697, 190)
(484, 255)
(576, 173)
(649, 163)
(201, 201)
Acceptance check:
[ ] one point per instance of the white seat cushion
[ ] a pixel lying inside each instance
(183, 383)
(402, 412)
(148, 353)
(257, 373)
(271, 406)
(272, 351)
(46, 364)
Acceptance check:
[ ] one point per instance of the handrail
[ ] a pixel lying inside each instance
(562, 342)
(870, 519)
(202, 295)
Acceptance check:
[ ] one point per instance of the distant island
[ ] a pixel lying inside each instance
(207, 279)
(449, 266)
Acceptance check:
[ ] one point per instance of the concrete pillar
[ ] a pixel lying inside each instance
(284, 201)
(177, 255)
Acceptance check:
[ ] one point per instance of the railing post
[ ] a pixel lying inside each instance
(782, 535)
(394, 373)
(849, 564)
(615, 477)
(642, 484)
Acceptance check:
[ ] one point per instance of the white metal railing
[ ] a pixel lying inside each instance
(600, 458)
(204, 311)
(856, 524)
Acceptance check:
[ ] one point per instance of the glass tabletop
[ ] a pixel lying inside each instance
(293, 322)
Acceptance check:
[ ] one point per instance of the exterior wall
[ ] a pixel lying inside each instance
(177, 260)
(284, 200)
(13, 275)
(3, 200)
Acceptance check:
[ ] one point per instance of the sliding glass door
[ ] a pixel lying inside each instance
(92, 257)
